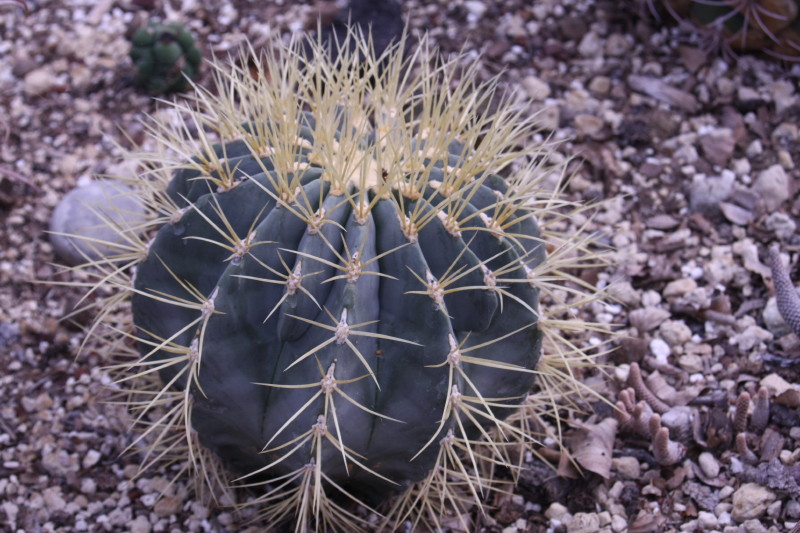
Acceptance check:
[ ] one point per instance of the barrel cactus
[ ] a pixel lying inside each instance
(165, 57)
(336, 302)
(769, 26)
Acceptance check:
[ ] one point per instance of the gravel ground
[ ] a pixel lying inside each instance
(694, 154)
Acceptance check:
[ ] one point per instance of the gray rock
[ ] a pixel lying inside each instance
(783, 96)
(675, 332)
(548, 117)
(39, 81)
(600, 84)
(648, 318)
(793, 509)
(624, 292)
(784, 133)
(617, 45)
(79, 227)
(706, 193)
(751, 337)
(707, 520)
(754, 526)
(657, 88)
(660, 350)
(627, 467)
(475, 9)
(9, 332)
(708, 464)
(718, 145)
(584, 523)
(556, 511)
(736, 214)
(536, 88)
(748, 94)
(679, 287)
(588, 125)
(772, 185)
(782, 224)
(591, 45)
(751, 501)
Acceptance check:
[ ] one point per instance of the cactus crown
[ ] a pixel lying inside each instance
(340, 300)
(165, 57)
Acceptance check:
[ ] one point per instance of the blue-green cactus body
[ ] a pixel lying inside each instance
(393, 365)
(165, 56)
(337, 299)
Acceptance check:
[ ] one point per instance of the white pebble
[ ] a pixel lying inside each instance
(660, 350)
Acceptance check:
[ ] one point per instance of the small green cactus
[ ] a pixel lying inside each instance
(769, 26)
(164, 56)
(337, 301)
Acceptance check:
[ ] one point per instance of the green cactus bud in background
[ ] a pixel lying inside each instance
(769, 26)
(164, 56)
(349, 282)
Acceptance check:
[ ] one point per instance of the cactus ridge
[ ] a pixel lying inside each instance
(340, 299)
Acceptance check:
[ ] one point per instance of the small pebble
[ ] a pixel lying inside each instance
(707, 520)
(584, 523)
(660, 350)
(39, 81)
(679, 287)
(588, 125)
(751, 501)
(167, 506)
(708, 464)
(772, 185)
(535, 88)
(556, 511)
(600, 85)
(781, 224)
(617, 45)
(675, 332)
(627, 467)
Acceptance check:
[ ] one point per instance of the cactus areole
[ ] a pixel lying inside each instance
(337, 298)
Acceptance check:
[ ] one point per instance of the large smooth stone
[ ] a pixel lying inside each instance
(86, 224)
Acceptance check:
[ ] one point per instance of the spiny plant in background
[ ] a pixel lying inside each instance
(787, 299)
(769, 26)
(336, 301)
(165, 57)
(18, 3)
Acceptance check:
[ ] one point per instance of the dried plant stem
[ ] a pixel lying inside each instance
(760, 417)
(642, 391)
(740, 414)
(667, 452)
(744, 450)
